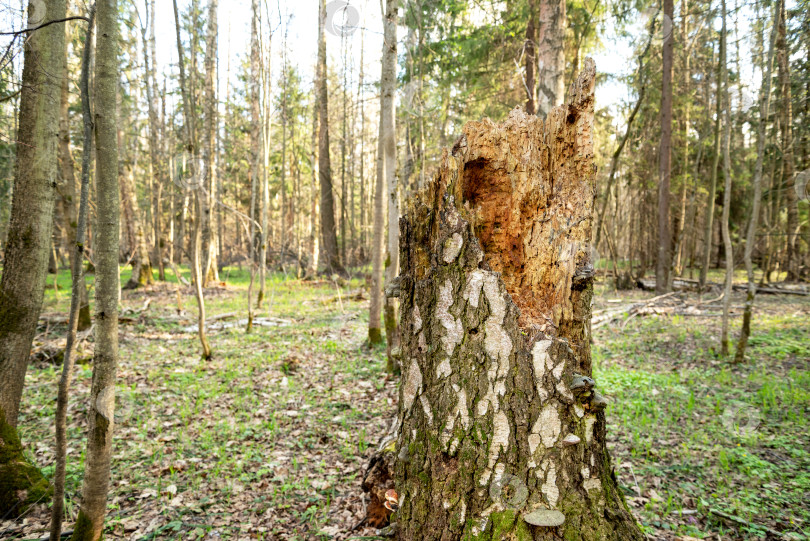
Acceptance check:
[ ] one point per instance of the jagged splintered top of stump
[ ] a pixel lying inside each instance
(499, 433)
(524, 185)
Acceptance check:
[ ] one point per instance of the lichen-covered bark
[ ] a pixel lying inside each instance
(500, 433)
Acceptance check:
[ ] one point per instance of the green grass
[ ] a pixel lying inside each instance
(699, 434)
(271, 437)
(281, 419)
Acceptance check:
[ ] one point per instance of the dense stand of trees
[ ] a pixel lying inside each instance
(703, 167)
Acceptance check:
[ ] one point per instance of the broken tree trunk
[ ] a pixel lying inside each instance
(499, 434)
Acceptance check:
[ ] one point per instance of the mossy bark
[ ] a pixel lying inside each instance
(21, 483)
(500, 435)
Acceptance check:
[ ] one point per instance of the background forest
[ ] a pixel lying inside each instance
(264, 155)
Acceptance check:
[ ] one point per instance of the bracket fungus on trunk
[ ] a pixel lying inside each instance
(496, 284)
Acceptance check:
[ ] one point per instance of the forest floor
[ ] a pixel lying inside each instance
(269, 439)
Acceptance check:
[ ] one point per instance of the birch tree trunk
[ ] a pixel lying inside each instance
(210, 270)
(388, 83)
(500, 435)
(25, 263)
(551, 55)
(90, 522)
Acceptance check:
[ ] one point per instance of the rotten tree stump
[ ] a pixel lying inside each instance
(500, 433)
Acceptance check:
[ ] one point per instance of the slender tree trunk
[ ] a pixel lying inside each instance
(78, 292)
(377, 244)
(328, 230)
(90, 522)
(663, 281)
(499, 433)
(264, 234)
(388, 82)
(709, 224)
(25, 263)
(362, 158)
(750, 238)
(343, 141)
(724, 339)
(69, 198)
(551, 55)
(314, 209)
(209, 197)
(283, 230)
(189, 106)
(255, 142)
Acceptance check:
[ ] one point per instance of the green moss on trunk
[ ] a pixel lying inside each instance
(83, 530)
(21, 483)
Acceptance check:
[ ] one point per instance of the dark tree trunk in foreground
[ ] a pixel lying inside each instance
(25, 264)
(500, 435)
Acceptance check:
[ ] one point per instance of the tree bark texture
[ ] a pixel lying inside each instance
(25, 263)
(500, 434)
(90, 522)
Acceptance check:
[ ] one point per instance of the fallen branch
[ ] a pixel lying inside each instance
(685, 284)
(744, 522)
